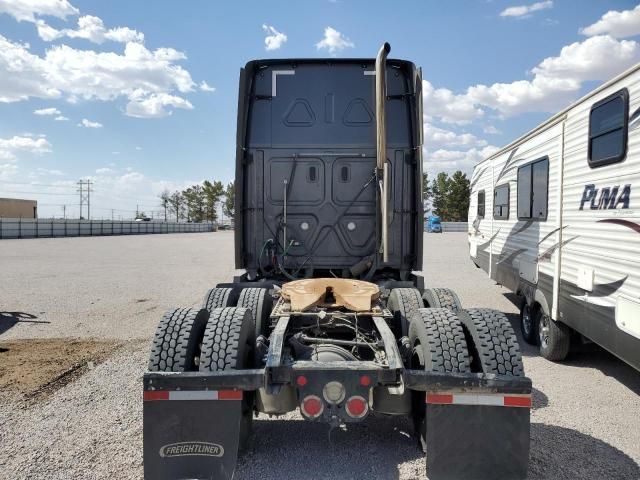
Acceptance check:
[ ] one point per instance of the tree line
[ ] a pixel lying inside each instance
(199, 203)
(447, 196)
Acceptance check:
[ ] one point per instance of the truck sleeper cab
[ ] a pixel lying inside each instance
(329, 316)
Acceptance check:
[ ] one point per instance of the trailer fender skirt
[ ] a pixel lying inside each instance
(191, 434)
(477, 436)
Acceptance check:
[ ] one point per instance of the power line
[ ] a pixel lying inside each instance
(41, 193)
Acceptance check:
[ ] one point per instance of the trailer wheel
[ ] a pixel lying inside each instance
(554, 337)
(219, 298)
(404, 303)
(176, 343)
(259, 302)
(492, 342)
(438, 344)
(529, 323)
(227, 345)
(442, 298)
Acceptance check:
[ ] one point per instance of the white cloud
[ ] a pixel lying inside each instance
(205, 87)
(443, 160)
(46, 172)
(7, 170)
(90, 28)
(617, 24)
(89, 124)
(28, 10)
(138, 148)
(47, 111)
(447, 106)
(61, 118)
(438, 137)
(274, 39)
(491, 130)
(524, 11)
(144, 105)
(10, 147)
(556, 82)
(334, 41)
(136, 74)
(104, 171)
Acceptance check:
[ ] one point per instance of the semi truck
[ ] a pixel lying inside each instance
(329, 316)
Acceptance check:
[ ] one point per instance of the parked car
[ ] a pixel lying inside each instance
(433, 224)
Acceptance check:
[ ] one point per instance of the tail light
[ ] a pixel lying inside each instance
(312, 406)
(357, 407)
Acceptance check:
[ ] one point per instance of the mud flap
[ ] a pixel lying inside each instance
(191, 434)
(477, 435)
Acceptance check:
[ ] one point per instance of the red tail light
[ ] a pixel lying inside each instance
(312, 406)
(357, 407)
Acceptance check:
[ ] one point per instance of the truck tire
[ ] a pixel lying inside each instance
(176, 343)
(227, 345)
(438, 342)
(219, 298)
(529, 323)
(441, 298)
(228, 339)
(493, 344)
(404, 303)
(554, 337)
(259, 302)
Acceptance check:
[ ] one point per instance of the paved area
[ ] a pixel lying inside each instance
(585, 421)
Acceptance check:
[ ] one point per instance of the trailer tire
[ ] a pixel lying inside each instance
(259, 302)
(529, 323)
(493, 344)
(442, 298)
(554, 338)
(219, 298)
(404, 303)
(227, 345)
(176, 343)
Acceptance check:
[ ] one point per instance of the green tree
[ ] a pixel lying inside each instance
(177, 205)
(195, 201)
(458, 198)
(440, 189)
(164, 201)
(426, 192)
(212, 193)
(229, 200)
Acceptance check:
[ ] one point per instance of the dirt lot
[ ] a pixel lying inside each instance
(72, 409)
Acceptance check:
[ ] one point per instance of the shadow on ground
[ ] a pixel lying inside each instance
(562, 453)
(581, 355)
(9, 320)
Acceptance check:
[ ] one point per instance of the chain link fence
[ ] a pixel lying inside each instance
(48, 228)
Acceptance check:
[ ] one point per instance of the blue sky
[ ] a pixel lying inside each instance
(140, 96)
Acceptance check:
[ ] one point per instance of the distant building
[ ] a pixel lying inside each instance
(17, 208)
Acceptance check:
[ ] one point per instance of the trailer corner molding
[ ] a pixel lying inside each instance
(183, 449)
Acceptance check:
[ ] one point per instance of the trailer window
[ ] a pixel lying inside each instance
(608, 122)
(481, 204)
(501, 202)
(533, 190)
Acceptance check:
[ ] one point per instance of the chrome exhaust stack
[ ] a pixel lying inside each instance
(381, 143)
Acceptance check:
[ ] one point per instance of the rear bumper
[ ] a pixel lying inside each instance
(474, 426)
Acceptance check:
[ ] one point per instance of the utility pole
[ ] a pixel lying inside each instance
(64, 212)
(85, 195)
(112, 214)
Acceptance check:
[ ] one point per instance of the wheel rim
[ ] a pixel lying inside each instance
(544, 331)
(527, 321)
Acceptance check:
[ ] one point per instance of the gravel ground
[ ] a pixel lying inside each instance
(585, 421)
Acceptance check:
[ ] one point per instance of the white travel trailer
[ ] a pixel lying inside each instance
(555, 217)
